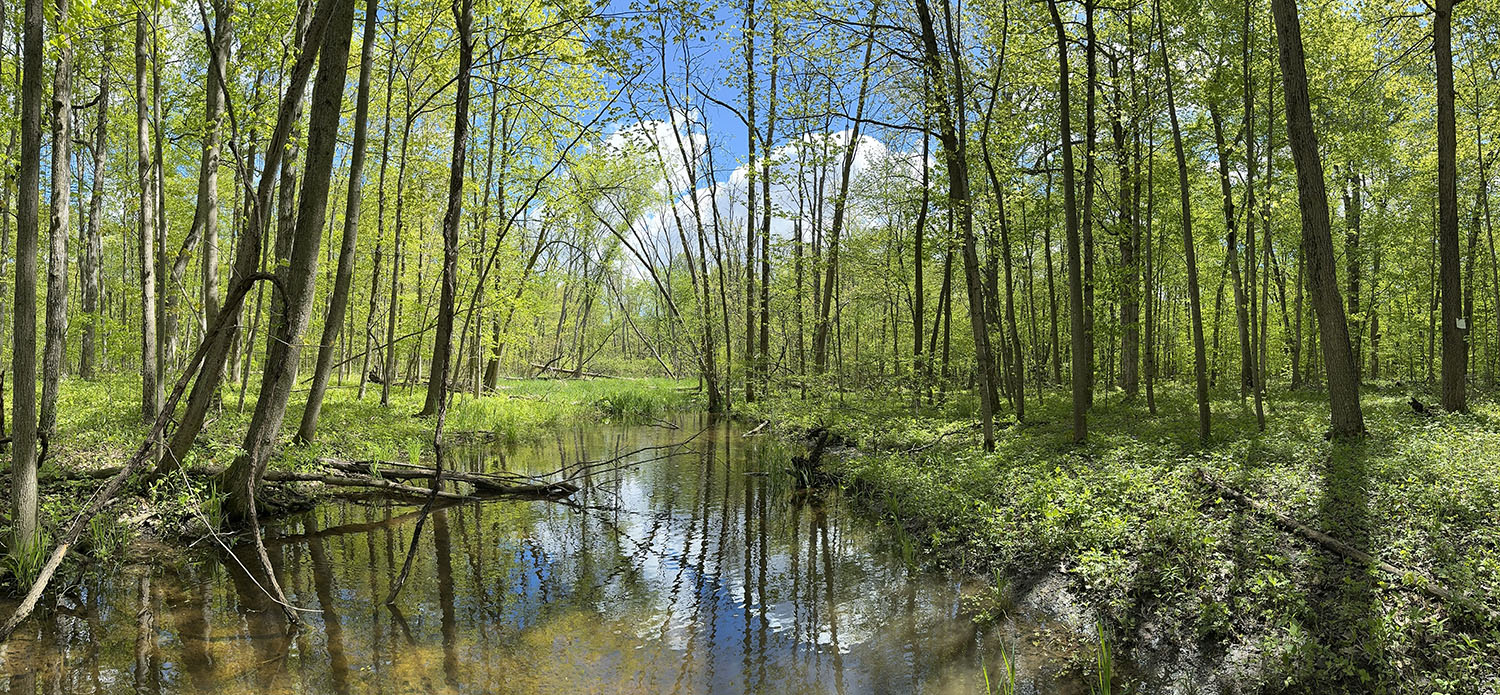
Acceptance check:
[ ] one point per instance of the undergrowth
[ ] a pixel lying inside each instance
(1155, 552)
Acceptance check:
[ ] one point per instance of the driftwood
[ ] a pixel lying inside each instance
(1423, 583)
(501, 483)
(362, 481)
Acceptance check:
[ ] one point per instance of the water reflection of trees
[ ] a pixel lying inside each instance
(689, 574)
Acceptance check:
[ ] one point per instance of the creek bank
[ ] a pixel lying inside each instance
(1203, 592)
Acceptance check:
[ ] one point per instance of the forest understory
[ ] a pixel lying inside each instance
(1202, 589)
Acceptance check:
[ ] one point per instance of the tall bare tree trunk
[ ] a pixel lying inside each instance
(55, 347)
(951, 133)
(206, 216)
(1317, 242)
(23, 493)
(1232, 258)
(1454, 329)
(840, 204)
(437, 386)
(151, 390)
(1081, 385)
(338, 301)
(93, 253)
(1195, 302)
(751, 221)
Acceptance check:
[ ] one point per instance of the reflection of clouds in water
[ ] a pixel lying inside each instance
(704, 580)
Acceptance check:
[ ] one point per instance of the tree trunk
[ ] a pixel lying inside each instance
(1195, 303)
(338, 301)
(437, 385)
(206, 217)
(151, 390)
(93, 254)
(751, 220)
(1079, 347)
(840, 205)
(243, 476)
(1455, 330)
(248, 247)
(55, 348)
(24, 532)
(1317, 242)
(1232, 259)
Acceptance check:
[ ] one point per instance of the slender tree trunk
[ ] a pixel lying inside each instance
(840, 205)
(763, 364)
(385, 160)
(1232, 259)
(338, 301)
(151, 391)
(55, 348)
(1195, 304)
(206, 217)
(1317, 243)
(1080, 368)
(751, 220)
(1352, 258)
(437, 386)
(1087, 216)
(93, 255)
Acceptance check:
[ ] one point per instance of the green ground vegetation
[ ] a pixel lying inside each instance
(1164, 558)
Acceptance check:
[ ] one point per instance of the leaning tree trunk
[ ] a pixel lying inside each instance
(243, 476)
(247, 253)
(338, 301)
(1317, 242)
(950, 92)
(437, 386)
(56, 344)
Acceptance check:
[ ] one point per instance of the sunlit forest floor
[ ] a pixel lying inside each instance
(1168, 562)
(99, 422)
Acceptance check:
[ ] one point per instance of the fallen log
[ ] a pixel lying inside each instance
(489, 482)
(1422, 581)
(364, 481)
(569, 372)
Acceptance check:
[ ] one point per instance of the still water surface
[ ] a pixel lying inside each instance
(699, 573)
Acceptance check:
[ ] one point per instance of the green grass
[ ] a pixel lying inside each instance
(1146, 544)
(99, 422)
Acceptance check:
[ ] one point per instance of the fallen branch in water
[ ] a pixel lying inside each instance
(154, 439)
(755, 431)
(570, 472)
(362, 481)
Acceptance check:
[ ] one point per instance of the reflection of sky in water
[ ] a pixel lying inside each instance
(681, 575)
